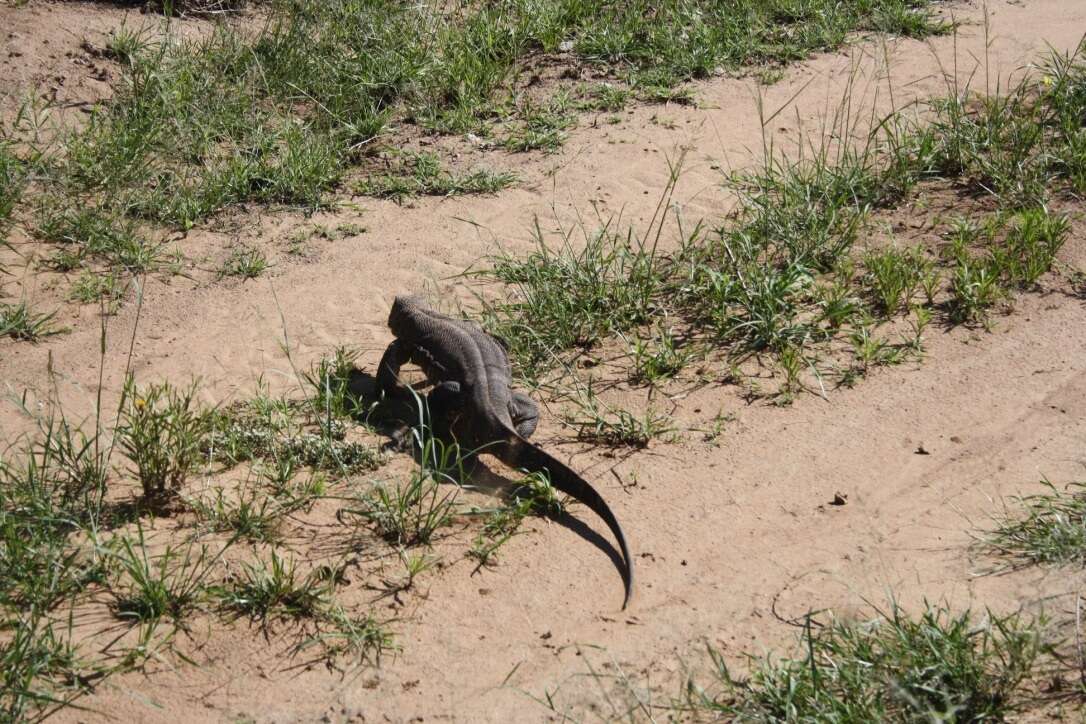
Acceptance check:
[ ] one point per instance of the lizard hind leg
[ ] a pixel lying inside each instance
(443, 406)
(446, 407)
(525, 414)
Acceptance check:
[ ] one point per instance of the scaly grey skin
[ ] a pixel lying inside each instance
(473, 396)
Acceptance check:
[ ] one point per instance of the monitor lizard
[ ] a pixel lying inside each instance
(474, 400)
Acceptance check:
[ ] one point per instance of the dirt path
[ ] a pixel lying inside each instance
(720, 532)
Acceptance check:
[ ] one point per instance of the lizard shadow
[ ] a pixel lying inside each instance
(485, 480)
(391, 416)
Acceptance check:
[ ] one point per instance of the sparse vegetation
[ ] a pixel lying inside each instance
(245, 262)
(597, 422)
(937, 666)
(542, 128)
(287, 435)
(421, 174)
(87, 232)
(329, 381)
(249, 516)
(410, 514)
(161, 431)
(574, 296)
(61, 539)
(19, 321)
(170, 584)
(1043, 528)
(275, 587)
(532, 495)
(660, 358)
(107, 288)
(363, 638)
(37, 669)
(783, 280)
(797, 284)
(12, 183)
(201, 123)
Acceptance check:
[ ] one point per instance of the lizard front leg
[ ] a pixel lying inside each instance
(396, 355)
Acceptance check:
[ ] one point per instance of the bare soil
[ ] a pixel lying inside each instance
(733, 537)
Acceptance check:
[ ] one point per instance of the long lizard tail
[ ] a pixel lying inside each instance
(525, 455)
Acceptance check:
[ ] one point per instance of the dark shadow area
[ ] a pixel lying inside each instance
(397, 417)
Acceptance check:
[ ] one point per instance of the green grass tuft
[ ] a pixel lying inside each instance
(275, 587)
(19, 322)
(939, 666)
(245, 262)
(1047, 528)
(422, 175)
(161, 430)
(171, 584)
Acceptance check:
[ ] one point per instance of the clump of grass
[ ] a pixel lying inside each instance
(414, 565)
(1046, 528)
(413, 513)
(249, 516)
(161, 430)
(1018, 145)
(170, 584)
(421, 174)
(275, 587)
(974, 288)
(572, 297)
(329, 381)
(125, 44)
(659, 359)
(895, 276)
(542, 128)
(39, 566)
(86, 231)
(597, 422)
(605, 97)
(286, 435)
(92, 287)
(20, 322)
(288, 442)
(363, 638)
(532, 495)
(13, 175)
(197, 8)
(872, 351)
(51, 488)
(61, 475)
(38, 670)
(1026, 252)
(245, 262)
(938, 666)
(1031, 245)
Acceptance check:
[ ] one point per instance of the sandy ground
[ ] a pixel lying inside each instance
(731, 538)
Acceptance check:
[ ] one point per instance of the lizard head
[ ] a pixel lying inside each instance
(403, 306)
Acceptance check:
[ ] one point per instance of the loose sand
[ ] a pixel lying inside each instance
(731, 538)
